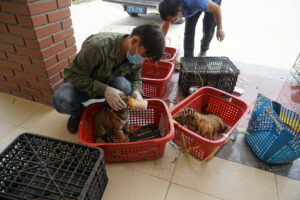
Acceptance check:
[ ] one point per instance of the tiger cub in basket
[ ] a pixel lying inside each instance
(109, 123)
(205, 125)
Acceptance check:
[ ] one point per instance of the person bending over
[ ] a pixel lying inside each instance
(171, 10)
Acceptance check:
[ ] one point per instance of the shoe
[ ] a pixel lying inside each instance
(73, 123)
(202, 53)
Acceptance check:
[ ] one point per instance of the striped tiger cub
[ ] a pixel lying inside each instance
(108, 123)
(205, 125)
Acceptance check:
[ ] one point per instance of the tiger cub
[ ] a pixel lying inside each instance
(205, 125)
(109, 123)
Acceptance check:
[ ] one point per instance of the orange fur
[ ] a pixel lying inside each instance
(205, 125)
(110, 123)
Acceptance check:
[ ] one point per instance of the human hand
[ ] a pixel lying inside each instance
(113, 98)
(136, 95)
(220, 34)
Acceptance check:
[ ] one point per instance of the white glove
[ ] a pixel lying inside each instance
(113, 98)
(220, 34)
(136, 95)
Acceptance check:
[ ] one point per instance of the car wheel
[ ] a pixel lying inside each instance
(179, 20)
(132, 14)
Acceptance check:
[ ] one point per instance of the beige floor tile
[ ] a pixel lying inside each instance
(5, 127)
(288, 188)
(11, 136)
(162, 168)
(16, 110)
(225, 179)
(50, 123)
(126, 183)
(177, 192)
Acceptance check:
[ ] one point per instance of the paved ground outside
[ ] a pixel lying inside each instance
(264, 33)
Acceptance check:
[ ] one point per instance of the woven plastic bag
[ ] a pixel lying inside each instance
(274, 132)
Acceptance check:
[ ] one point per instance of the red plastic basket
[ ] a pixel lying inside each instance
(228, 107)
(169, 54)
(157, 112)
(155, 77)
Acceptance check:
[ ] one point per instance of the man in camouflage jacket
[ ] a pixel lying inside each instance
(107, 64)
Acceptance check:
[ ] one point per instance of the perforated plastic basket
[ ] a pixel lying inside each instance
(38, 167)
(274, 132)
(169, 54)
(217, 72)
(155, 77)
(157, 112)
(207, 99)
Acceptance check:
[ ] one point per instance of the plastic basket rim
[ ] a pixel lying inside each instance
(52, 138)
(233, 66)
(165, 139)
(171, 67)
(173, 57)
(191, 97)
(194, 135)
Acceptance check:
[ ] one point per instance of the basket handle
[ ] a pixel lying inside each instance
(270, 112)
(224, 95)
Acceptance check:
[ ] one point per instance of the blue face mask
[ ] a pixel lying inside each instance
(135, 58)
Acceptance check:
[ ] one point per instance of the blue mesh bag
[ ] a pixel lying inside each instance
(274, 132)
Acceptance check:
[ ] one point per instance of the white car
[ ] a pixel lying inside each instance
(136, 7)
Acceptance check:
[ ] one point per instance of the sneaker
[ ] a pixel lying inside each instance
(73, 123)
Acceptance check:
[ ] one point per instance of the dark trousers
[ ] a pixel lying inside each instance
(208, 30)
(68, 100)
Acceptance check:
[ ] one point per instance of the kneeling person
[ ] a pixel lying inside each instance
(107, 64)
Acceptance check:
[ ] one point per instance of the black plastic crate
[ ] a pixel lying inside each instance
(38, 167)
(217, 72)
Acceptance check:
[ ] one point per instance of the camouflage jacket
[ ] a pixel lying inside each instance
(97, 63)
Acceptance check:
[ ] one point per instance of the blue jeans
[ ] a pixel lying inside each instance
(68, 100)
(208, 30)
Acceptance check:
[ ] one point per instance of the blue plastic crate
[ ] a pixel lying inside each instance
(274, 132)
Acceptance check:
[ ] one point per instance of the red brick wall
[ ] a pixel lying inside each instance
(36, 43)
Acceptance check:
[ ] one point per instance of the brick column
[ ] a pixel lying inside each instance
(36, 43)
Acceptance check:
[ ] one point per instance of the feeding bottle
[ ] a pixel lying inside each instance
(134, 103)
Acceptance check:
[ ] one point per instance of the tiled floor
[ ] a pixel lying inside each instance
(255, 36)
(175, 176)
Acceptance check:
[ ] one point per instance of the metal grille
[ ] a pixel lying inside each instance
(295, 71)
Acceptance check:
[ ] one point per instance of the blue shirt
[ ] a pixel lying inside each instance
(191, 7)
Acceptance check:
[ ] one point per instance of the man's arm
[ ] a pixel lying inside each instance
(78, 72)
(135, 77)
(216, 10)
(165, 27)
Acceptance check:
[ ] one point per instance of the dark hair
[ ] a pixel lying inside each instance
(152, 39)
(168, 8)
